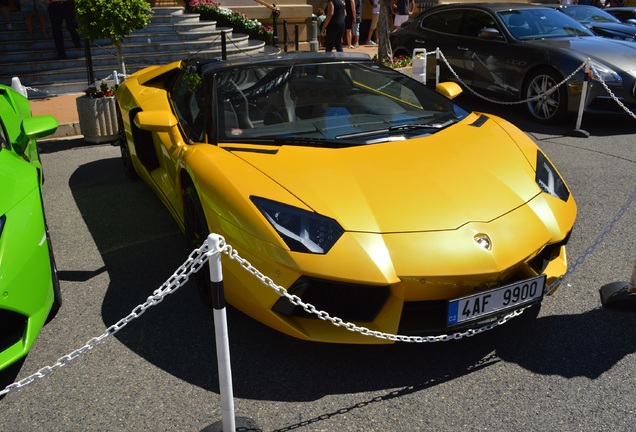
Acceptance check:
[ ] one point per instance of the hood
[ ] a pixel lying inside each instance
(611, 52)
(625, 30)
(461, 174)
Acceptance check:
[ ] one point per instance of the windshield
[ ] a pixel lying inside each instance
(589, 14)
(357, 102)
(541, 23)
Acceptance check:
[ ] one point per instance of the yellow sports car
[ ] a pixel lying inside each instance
(355, 187)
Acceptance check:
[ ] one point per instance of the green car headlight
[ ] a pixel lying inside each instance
(549, 180)
(301, 230)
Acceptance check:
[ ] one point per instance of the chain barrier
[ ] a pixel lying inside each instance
(599, 78)
(199, 257)
(532, 99)
(193, 264)
(594, 70)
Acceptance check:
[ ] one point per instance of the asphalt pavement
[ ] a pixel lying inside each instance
(570, 370)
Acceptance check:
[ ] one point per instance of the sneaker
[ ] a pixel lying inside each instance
(356, 46)
(371, 43)
(9, 26)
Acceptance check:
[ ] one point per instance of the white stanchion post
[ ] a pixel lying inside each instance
(419, 64)
(222, 338)
(436, 66)
(17, 86)
(578, 132)
(116, 77)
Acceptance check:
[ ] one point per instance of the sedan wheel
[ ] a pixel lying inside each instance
(552, 105)
(196, 230)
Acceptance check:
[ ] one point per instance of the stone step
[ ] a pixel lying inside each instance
(171, 35)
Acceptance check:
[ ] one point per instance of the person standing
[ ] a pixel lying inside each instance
(402, 9)
(356, 23)
(373, 27)
(321, 21)
(334, 25)
(59, 12)
(31, 8)
(6, 12)
(350, 20)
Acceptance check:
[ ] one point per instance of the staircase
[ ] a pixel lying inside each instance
(171, 35)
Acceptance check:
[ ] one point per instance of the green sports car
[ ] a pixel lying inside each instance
(29, 287)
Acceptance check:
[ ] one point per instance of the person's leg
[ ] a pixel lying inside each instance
(373, 29)
(6, 13)
(356, 34)
(71, 23)
(57, 19)
(42, 20)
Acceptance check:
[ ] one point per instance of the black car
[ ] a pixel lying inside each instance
(600, 22)
(519, 51)
(626, 14)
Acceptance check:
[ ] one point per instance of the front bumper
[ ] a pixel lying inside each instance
(401, 283)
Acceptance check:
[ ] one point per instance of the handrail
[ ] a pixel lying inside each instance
(267, 5)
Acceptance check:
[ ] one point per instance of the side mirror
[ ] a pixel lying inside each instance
(488, 33)
(631, 21)
(449, 89)
(156, 121)
(39, 126)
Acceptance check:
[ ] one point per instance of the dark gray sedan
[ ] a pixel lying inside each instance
(626, 14)
(600, 22)
(519, 51)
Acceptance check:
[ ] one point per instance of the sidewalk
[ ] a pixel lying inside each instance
(64, 109)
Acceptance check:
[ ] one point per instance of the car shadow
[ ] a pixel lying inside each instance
(142, 247)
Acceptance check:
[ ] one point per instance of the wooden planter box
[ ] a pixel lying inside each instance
(97, 119)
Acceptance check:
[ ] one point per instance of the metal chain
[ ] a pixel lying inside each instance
(532, 99)
(612, 95)
(193, 264)
(199, 257)
(338, 322)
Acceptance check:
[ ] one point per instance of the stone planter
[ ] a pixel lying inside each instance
(407, 70)
(97, 119)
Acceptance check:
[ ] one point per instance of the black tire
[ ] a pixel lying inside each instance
(129, 168)
(196, 230)
(550, 108)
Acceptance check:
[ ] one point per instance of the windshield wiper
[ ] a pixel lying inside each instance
(412, 126)
(398, 128)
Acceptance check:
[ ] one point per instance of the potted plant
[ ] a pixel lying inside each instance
(97, 114)
(112, 19)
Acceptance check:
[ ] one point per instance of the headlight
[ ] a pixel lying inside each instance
(599, 72)
(301, 230)
(549, 180)
(3, 219)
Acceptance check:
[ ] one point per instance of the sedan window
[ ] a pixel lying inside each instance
(477, 20)
(540, 23)
(448, 22)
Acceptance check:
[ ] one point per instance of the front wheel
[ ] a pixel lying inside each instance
(196, 230)
(551, 103)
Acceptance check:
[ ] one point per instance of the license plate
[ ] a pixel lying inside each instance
(511, 296)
